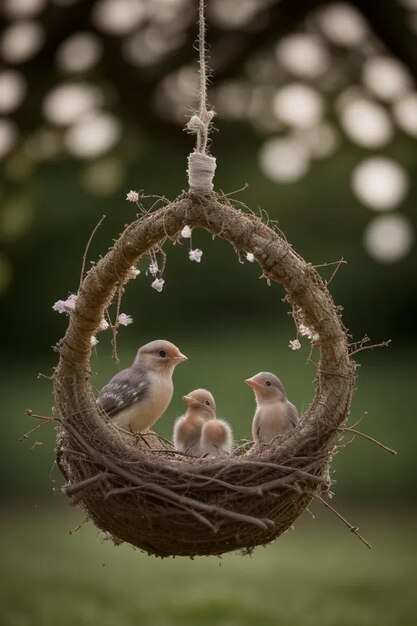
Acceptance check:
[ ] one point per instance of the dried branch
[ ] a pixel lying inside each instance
(72, 489)
(90, 239)
(368, 438)
(353, 529)
(362, 347)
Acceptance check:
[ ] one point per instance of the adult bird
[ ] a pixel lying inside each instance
(275, 414)
(136, 397)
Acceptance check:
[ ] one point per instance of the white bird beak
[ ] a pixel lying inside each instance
(181, 357)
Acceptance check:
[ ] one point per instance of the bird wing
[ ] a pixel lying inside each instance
(292, 414)
(124, 389)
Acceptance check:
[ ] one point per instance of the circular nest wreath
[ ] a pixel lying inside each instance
(139, 490)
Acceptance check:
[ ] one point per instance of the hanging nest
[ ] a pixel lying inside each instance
(138, 489)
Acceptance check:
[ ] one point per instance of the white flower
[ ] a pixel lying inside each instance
(66, 306)
(132, 196)
(153, 268)
(294, 344)
(250, 257)
(124, 320)
(133, 272)
(186, 232)
(307, 332)
(103, 324)
(93, 341)
(158, 284)
(195, 255)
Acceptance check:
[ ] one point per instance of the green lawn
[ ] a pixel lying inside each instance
(318, 575)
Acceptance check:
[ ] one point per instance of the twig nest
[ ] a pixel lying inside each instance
(136, 488)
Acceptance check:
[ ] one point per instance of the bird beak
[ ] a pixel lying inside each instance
(181, 357)
(188, 400)
(252, 383)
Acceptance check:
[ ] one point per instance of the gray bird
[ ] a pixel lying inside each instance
(136, 397)
(275, 414)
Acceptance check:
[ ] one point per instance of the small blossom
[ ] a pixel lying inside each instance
(124, 320)
(158, 284)
(132, 196)
(103, 324)
(153, 268)
(195, 255)
(307, 332)
(133, 272)
(186, 232)
(250, 257)
(93, 341)
(294, 344)
(66, 306)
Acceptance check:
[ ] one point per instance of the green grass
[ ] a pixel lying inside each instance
(318, 575)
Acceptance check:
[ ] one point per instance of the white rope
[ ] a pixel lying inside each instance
(201, 166)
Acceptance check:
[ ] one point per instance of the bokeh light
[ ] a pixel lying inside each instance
(12, 90)
(389, 238)
(298, 105)
(66, 103)
(366, 123)
(20, 41)
(118, 17)
(343, 24)
(405, 113)
(284, 159)
(232, 14)
(79, 53)
(93, 135)
(8, 136)
(151, 44)
(386, 77)
(103, 177)
(321, 141)
(380, 183)
(303, 55)
(14, 9)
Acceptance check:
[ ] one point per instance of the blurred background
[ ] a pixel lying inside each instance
(316, 107)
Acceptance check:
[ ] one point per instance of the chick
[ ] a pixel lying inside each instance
(136, 397)
(201, 407)
(216, 438)
(275, 414)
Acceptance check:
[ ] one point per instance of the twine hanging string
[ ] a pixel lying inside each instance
(201, 166)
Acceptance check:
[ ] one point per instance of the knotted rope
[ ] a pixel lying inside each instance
(201, 166)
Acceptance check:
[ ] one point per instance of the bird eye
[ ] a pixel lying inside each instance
(162, 353)
(207, 402)
(268, 383)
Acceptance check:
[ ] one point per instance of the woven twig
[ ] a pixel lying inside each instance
(169, 504)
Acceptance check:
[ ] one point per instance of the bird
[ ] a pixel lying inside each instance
(275, 414)
(136, 397)
(201, 407)
(216, 438)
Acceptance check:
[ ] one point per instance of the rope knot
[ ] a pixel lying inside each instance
(201, 168)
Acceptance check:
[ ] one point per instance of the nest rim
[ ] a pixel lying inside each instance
(202, 519)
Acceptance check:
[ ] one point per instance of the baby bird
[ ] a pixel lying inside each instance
(201, 408)
(274, 415)
(216, 438)
(136, 397)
